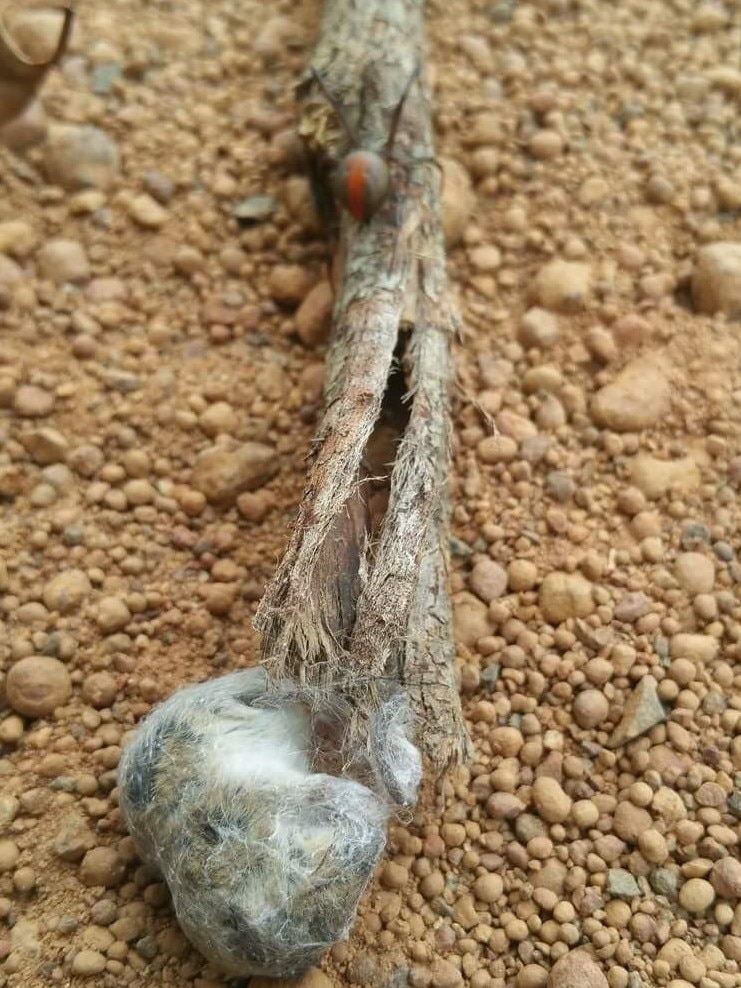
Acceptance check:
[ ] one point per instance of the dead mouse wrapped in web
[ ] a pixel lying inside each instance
(266, 855)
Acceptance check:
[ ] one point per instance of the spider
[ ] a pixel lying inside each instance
(361, 180)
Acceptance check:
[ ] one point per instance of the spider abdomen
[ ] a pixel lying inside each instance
(361, 183)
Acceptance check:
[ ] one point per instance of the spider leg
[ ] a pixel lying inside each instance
(426, 159)
(396, 116)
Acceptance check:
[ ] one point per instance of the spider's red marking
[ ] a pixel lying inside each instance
(355, 189)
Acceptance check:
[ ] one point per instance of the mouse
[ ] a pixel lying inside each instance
(265, 855)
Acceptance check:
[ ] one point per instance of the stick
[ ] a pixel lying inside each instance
(20, 77)
(356, 609)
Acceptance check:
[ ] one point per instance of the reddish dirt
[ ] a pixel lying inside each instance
(596, 526)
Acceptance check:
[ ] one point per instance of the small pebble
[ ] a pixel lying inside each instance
(642, 711)
(638, 398)
(80, 157)
(590, 708)
(445, 975)
(113, 615)
(538, 328)
(88, 963)
(488, 580)
(562, 286)
(147, 212)
(290, 284)
(17, 238)
(67, 591)
(222, 474)
(99, 689)
(63, 261)
(37, 685)
(716, 279)
(551, 803)
(46, 446)
(102, 866)
(33, 402)
(695, 573)
(621, 884)
(9, 854)
(565, 595)
(696, 895)
(545, 144)
(726, 878)
(219, 419)
(577, 969)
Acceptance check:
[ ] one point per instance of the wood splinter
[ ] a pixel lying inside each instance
(263, 797)
(20, 76)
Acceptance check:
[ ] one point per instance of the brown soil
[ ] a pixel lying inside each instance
(596, 833)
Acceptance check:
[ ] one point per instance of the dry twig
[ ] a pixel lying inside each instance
(20, 77)
(356, 606)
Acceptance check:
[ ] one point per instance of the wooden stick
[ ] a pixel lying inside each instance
(20, 77)
(352, 611)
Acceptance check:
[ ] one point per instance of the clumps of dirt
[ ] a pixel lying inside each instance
(160, 376)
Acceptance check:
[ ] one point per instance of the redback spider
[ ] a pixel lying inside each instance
(361, 180)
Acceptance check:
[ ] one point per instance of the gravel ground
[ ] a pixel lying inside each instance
(161, 344)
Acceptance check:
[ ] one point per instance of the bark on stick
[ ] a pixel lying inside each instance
(359, 606)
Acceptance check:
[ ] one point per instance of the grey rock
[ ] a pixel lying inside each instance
(734, 803)
(643, 711)
(459, 548)
(64, 783)
(256, 209)
(664, 882)
(723, 551)
(694, 535)
(490, 675)
(621, 884)
(147, 948)
(80, 157)
(104, 76)
(560, 486)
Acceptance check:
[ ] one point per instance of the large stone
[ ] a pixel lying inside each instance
(621, 884)
(562, 286)
(80, 157)
(223, 473)
(654, 477)
(716, 279)
(697, 648)
(577, 969)
(73, 838)
(37, 685)
(17, 238)
(565, 595)
(63, 261)
(26, 130)
(470, 619)
(67, 590)
(638, 398)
